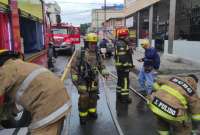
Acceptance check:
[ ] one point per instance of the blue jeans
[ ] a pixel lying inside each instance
(146, 81)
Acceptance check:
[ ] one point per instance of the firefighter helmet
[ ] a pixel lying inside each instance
(91, 37)
(6, 54)
(145, 43)
(122, 32)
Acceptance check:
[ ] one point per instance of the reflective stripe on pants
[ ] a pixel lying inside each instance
(92, 110)
(163, 132)
(83, 114)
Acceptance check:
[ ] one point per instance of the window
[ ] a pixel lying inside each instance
(60, 31)
(144, 23)
(188, 20)
(161, 20)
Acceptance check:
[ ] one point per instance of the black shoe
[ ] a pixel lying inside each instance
(93, 115)
(126, 100)
(83, 121)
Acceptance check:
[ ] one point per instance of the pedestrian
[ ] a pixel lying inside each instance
(85, 70)
(123, 63)
(103, 47)
(176, 104)
(151, 63)
(36, 90)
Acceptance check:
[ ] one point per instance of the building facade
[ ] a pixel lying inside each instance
(171, 25)
(21, 25)
(54, 11)
(99, 16)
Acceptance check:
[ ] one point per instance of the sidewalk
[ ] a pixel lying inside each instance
(170, 64)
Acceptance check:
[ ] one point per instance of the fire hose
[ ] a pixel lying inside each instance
(132, 89)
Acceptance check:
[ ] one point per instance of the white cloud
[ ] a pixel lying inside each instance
(79, 11)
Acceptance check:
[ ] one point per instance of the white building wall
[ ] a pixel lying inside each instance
(185, 49)
(98, 16)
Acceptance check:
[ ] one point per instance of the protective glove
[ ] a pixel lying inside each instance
(74, 78)
(105, 73)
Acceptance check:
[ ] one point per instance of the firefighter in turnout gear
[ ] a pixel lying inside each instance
(176, 104)
(36, 90)
(123, 63)
(85, 69)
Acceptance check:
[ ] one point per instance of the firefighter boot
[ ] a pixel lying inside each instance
(93, 115)
(83, 117)
(125, 100)
(118, 92)
(93, 105)
(83, 120)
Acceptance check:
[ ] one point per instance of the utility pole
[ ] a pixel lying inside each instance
(104, 34)
(172, 18)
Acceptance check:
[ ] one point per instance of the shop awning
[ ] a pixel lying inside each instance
(138, 5)
(32, 7)
(4, 6)
(4, 2)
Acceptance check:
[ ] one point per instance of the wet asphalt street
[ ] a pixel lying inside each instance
(133, 119)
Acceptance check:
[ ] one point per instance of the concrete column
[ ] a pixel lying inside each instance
(138, 27)
(172, 19)
(150, 23)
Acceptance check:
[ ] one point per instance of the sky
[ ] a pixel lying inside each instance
(79, 11)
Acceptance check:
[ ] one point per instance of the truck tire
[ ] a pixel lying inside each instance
(72, 50)
(23, 119)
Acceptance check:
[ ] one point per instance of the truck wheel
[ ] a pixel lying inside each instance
(72, 50)
(22, 119)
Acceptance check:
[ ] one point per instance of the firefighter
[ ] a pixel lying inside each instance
(85, 68)
(85, 42)
(151, 64)
(51, 56)
(176, 104)
(123, 63)
(34, 89)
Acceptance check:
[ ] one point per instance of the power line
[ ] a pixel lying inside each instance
(93, 3)
(78, 12)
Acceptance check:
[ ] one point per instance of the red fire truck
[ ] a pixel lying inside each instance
(65, 37)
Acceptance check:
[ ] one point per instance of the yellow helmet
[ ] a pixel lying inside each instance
(91, 37)
(11, 54)
(3, 51)
(145, 43)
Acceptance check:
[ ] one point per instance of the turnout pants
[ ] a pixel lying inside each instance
(87, 103)
(123, 82)
(173, 128)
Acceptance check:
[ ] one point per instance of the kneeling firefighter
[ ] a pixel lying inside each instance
(85, 69)
(34, 89)
(123, 63)
(176, 104)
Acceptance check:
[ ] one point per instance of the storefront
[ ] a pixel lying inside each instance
(31, 26)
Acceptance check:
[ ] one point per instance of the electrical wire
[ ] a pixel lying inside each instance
(92, 3)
